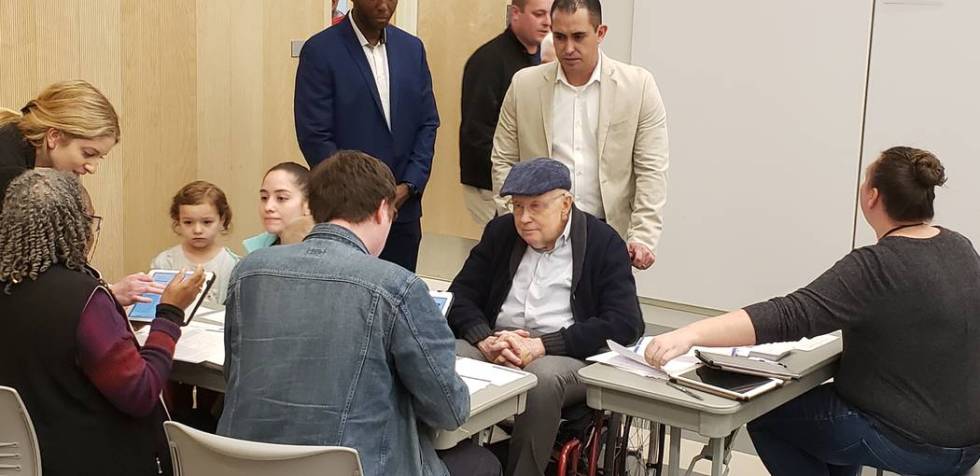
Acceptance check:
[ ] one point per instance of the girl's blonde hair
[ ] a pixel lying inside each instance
(75, 108)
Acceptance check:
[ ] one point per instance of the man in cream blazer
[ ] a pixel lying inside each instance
(602, 118)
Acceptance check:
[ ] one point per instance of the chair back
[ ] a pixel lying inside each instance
(197, 453)
(19, 454)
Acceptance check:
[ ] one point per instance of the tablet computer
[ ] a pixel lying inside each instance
(726, 384)
(443, 299)
(147, 311)
(747, 365)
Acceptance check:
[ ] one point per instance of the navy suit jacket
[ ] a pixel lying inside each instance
(337, 106)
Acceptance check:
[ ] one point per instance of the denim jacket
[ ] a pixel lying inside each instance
(327, 345)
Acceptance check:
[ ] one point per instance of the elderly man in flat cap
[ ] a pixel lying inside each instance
(544, 289)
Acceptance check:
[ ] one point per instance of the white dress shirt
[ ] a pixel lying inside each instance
(575, 137)
(540, 295)
(377, 58)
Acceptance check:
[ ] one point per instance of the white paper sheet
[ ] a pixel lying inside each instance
(631, 360)
(475, 385)
(200, 342)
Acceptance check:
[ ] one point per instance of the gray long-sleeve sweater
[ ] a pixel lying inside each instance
(909, 310)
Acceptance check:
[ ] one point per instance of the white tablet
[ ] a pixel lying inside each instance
(726, 384)
(147, 311)
(443, 299)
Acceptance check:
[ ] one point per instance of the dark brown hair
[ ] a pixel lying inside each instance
(200, 192)
(907, 179)
(350, 185)
(301, 175)
(572, 6)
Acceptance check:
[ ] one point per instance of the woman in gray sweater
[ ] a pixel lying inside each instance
(907, 395)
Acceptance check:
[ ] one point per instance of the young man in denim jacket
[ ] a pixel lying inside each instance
(326, 344)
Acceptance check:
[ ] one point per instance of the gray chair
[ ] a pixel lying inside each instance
(197, 453)
(19, 454)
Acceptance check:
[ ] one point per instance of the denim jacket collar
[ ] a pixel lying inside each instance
(330, 231)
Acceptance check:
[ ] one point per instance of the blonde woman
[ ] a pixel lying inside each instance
(69, 126)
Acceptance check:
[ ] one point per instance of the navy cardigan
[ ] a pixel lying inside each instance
(604, 302)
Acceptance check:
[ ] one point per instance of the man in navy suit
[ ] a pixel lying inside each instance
(365, 85)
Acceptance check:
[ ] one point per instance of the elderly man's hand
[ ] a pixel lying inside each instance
(491, 348)
(640, 256)
(522, 348)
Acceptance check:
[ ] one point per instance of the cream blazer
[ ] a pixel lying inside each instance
(632, 142)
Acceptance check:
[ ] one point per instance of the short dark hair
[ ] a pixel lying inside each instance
(301, 175)
(350, 185)
(907, 179)
(519, 4)
(572, 6)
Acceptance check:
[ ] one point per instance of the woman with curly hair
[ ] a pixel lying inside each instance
(66, 346)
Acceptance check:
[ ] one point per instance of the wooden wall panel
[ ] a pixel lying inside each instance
(100, 63)
(451, 36)
(203, 87)
(229, 85)
(245, 97)
(160, 122)
(42, 42)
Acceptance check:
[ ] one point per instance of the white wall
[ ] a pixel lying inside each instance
(775, 107)
(618, 16)
(924, 91)
(764, 107)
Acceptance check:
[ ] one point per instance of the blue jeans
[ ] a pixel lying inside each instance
(820, 434)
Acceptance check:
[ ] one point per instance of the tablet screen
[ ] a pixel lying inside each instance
(731, 381)
(147, 311)
(443, 300)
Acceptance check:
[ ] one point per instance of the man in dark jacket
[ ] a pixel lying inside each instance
(486, 78)
(365, 85)
(545, 288)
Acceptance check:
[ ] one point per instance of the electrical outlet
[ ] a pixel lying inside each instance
(295, 47)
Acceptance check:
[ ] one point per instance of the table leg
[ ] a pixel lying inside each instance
(654, 449)
(674, 466)
(613, 427)
(717, 456)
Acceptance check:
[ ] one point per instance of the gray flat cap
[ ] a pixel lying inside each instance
(535, 177)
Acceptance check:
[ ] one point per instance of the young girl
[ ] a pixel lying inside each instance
(200, 212)
(283, 206)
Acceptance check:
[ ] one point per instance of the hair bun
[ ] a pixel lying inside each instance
(929, 172)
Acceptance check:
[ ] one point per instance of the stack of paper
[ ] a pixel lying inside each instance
(631, 360)
(775, 350)
(210, 316)
(478, 375)
(199, 342)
